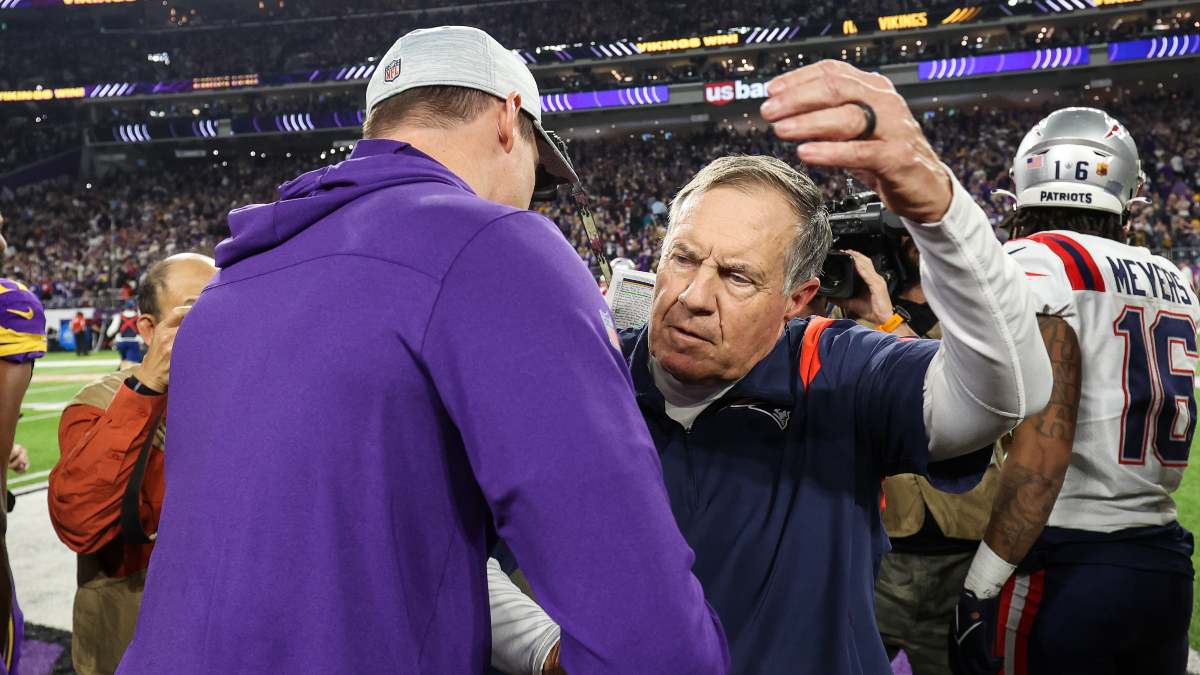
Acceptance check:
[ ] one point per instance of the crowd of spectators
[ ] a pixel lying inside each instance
(67, 56)
(28, 141)
(631, 181)
(72, 243)
(237, 105)
(1016, 37)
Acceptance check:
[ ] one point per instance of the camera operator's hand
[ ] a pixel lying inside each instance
(155, 371)
(873, 304)
(817, 103)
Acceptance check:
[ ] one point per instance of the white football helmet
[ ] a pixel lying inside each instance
(1078, 157)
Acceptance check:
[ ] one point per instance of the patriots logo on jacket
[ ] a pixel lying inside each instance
(780, 416)
(392, 71)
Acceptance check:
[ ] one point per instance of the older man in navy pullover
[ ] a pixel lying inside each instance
(775, 431)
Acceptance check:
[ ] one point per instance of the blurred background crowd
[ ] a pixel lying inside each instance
(75, 240)
(284, 36)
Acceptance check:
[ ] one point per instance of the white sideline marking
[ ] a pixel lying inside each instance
(71, 377)
(26, 489)
(43, 407)
(35, 418)
(28, 476)
(35, 389)
(77, 364)
(1193, 664)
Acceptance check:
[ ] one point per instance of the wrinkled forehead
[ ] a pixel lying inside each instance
(752, 223)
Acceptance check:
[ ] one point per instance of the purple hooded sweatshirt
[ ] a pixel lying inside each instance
(387, 372)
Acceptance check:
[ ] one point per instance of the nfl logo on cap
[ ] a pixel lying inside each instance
(392, 71)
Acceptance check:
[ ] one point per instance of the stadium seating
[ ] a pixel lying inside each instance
(68, 241)
(64, 55)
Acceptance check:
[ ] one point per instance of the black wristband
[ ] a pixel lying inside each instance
(139, 388)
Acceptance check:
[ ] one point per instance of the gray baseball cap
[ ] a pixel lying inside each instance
(460, 56)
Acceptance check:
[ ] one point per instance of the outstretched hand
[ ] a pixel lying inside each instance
(817, 103)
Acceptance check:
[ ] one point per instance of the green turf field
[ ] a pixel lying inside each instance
(1188, 500)
(38, 432)
(38, 428)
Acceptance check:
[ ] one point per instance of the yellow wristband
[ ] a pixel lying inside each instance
(891, 324)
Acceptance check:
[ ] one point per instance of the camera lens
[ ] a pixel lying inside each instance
(837, 276)
(832, 274)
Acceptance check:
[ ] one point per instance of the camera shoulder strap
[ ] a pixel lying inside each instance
(131, 512)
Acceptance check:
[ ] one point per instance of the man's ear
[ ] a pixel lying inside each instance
(509, 118)
(800, 297)
(145, 327)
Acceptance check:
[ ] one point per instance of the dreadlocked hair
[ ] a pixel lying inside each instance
(1034, 219)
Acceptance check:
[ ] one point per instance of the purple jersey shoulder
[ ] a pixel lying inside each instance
(22, 323)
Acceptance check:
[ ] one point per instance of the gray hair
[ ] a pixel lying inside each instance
(804, 257)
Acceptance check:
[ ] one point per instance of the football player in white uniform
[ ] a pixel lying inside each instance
(1106, 586)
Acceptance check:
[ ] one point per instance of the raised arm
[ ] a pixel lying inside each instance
(991, 371)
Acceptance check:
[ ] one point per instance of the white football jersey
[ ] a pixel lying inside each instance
(1135, 316)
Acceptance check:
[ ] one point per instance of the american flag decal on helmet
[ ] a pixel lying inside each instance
(1034, 162)
(392, 71)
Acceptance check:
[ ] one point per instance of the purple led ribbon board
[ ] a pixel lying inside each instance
(1039, 59)
(1154, 48)
(606, 99)
(11, 4)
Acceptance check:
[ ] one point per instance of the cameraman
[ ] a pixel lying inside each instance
(100, 436)
(933, 534)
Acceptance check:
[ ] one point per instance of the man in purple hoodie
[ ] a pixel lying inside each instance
(455, 417)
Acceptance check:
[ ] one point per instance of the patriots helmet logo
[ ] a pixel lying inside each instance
(392, 71)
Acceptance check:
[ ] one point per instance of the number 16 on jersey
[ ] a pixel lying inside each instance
(1160, 401)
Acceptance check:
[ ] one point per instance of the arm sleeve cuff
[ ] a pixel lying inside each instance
(990, 334)
(522, 634)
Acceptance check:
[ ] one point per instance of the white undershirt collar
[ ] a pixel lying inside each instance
(684, 402)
